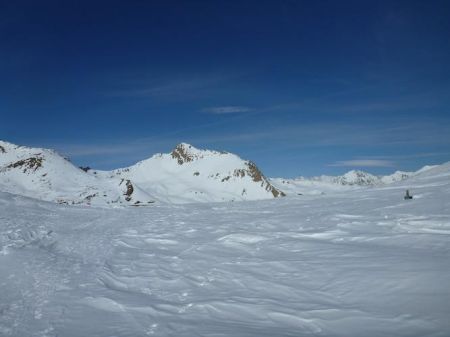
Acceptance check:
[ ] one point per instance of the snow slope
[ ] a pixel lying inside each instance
(188, 174)
(45, 175)
(366, 263)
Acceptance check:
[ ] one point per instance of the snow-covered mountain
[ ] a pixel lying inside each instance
(189, 174)
(353, 177)
(185, 175)
(398, 176)
(46, 175)
(351, 180)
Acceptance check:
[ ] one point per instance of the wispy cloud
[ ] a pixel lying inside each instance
(222, 110)
(364, 163)
(178, 86)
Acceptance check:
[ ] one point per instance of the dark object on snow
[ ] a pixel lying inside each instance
(85, 169)
(407, 195)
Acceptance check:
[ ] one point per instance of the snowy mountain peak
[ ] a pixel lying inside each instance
(357, 177)
(189, 174)
(185, 153)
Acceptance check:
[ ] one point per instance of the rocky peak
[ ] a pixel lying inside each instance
(183, 153)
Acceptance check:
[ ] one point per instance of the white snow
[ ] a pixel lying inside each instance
(362, 262)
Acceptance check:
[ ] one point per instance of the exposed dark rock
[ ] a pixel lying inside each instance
(129, 191)
(32, 163)
(256, 175)
(239, 173)
(181, 154)
(85, 168)
(90, 197)
(2, 149)
(141, 204)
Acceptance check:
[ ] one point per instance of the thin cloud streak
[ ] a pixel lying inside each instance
(223, 110)
(363, 163)
(181, 87)
(188, 85)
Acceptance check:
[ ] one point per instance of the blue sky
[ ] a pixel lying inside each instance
(299, 87)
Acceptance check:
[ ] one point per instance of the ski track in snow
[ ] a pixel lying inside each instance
(365, 263)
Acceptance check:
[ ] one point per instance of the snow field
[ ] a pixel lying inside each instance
(361, 263)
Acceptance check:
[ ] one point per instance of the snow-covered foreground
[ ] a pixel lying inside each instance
(362, 263)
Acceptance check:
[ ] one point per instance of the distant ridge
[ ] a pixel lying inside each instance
(350, 180)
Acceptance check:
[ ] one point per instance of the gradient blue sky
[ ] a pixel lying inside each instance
(299, 87)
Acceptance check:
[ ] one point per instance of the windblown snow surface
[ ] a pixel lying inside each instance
(357, 263)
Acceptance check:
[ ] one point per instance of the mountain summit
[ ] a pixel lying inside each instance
(185, 153)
